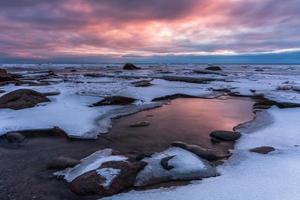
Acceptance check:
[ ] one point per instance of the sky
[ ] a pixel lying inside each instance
(187, 31)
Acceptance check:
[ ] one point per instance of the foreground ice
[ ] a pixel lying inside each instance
(247, 175)
(90, 163)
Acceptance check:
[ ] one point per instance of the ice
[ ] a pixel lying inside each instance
(248, 175)
(186, 165)
(162, 88)
(109, 174)
(89, 163)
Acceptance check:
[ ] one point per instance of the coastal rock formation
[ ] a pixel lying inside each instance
(173, 164)
(204, 153)
(225, 135)
(114, 100)
(130, 66)
(111, 178)
(262, 150)
(22, 98)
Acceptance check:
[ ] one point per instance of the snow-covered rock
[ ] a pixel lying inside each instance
(184, 165)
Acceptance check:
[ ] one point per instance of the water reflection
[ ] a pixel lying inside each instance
(185, 119)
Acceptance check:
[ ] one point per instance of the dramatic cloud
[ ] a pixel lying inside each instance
(47, 30)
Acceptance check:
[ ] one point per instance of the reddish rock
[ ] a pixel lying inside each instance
(111, 178)
(22, 98)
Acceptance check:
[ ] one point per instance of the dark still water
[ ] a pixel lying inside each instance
(186, 119)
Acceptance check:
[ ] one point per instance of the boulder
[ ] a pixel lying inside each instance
(140, 124)
(213, 68)
(173, 164)
(114, 100)
(130, 66)
(111, 178)
(225, 135)
(62, 162)
(204, 153)
(22, 98)
(262, 150)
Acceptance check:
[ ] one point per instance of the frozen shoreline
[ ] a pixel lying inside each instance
(242, 177)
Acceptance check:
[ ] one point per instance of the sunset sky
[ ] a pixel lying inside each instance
(149, 31)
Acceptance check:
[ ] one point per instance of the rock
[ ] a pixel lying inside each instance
(262, 150)
(213, 68)
(140, 124)
(2, 91)
(5, 76)
(225, 135)
(142, 83)
(207, 154)
(114, 100)
(165, 163)
(111, 178)
(14, 137)
(22, 98)
(130, 66)
(173, 164)
(62, 162)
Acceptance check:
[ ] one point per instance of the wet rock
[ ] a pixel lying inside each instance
(165, 163)
(142, 83)
(225, 135)
(62, 162)
(2, 91)
(262, 150)
(213, 68)
(207, 154)
(111, 178)
(140, 124)
(22, 98)
(173, 164)
(14, 137)
(130, 66)
(114, 100)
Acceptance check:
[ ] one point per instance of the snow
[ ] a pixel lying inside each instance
(248, 175)
(162, 88)
(109, 174)
(89, 163)
(186, 165)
